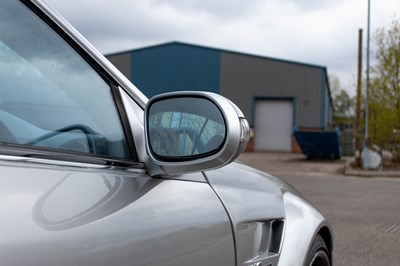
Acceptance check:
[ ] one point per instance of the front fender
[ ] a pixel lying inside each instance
(303, 223)
(255, 200)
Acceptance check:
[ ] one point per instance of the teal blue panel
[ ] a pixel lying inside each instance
(175, 67)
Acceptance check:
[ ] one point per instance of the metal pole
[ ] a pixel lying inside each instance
(358, 100)
(366, 139)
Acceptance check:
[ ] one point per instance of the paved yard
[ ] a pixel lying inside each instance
(364, 212)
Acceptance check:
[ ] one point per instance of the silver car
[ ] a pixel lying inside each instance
(94, 173)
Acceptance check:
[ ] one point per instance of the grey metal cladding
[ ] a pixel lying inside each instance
(122, 61)
(245, 78)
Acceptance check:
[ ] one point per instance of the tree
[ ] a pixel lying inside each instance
(384, 100)
(343, 103)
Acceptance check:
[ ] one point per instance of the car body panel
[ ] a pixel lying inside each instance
(271, 200)
(60, 212)
(304, 222)
(236, 184)
(63, 215)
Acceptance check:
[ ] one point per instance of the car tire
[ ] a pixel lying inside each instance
(318, 254)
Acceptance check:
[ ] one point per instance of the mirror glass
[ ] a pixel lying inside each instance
(185, 127)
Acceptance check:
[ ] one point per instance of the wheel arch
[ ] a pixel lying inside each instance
(303, 224)
(326, 235)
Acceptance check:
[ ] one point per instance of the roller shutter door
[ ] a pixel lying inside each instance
(273, 125)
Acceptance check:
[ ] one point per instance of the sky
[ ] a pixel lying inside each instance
(319, 32)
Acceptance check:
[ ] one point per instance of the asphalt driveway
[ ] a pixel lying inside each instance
(364, 212)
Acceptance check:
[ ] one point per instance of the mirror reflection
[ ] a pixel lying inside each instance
(185, 127)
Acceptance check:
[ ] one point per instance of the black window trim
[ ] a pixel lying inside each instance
(34, 152)
(124, 120)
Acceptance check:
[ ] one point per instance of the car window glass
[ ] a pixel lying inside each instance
(49, 95)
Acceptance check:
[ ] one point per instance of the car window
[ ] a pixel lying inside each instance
(49, 95)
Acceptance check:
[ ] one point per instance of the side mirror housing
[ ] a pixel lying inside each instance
(193, 131)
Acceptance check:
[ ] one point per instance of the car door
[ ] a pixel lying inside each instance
(73, 188)
(83, 216)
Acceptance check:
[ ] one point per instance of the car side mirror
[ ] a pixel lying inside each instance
(193, 131)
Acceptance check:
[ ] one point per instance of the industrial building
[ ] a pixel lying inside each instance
(275, 95)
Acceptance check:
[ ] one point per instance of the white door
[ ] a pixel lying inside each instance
(273, 125)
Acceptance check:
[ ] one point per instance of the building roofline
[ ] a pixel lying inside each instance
(323, 68)
(217, 50)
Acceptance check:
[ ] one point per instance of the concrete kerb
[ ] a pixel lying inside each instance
(352, 171)
(277, 163)
(283, 163)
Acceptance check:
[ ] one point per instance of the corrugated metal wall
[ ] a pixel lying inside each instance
(242, 78)
(328, 105)
(175, 67)
(245, 78)
(122, 61)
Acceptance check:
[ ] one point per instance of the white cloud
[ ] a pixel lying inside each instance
(321, 32)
